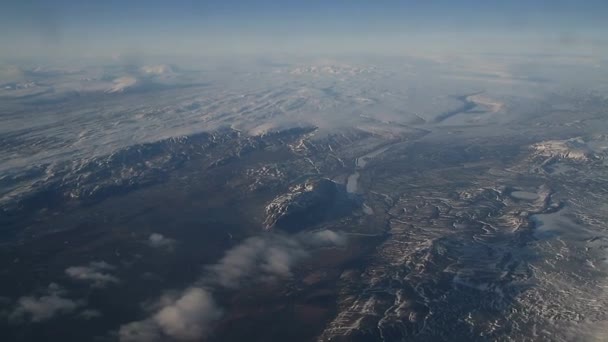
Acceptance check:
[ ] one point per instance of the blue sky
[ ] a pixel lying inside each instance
(256, 26)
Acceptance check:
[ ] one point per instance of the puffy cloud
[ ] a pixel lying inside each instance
(96, 273)
(190, 315)
(256, 259)
(327, 238)
(267, 258)
(47, 306)
(157, 240)
(187, 317)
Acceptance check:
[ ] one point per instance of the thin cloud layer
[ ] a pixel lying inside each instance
(44, 307)
(96, 273)
(90, 314)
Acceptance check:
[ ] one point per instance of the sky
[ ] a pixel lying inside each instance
(37, 28)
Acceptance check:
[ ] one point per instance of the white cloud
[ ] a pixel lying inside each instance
(267, 258)
(190, 315)
(327, 238)
(256, 259)
(96, 273)
(185, 318)
(157, 240)
(47, 306)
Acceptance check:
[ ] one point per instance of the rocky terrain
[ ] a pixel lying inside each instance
(311, 202)
(326, 201)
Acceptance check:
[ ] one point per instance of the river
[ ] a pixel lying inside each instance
(352, 183)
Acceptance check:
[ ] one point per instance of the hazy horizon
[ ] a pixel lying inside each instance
(74, 29)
